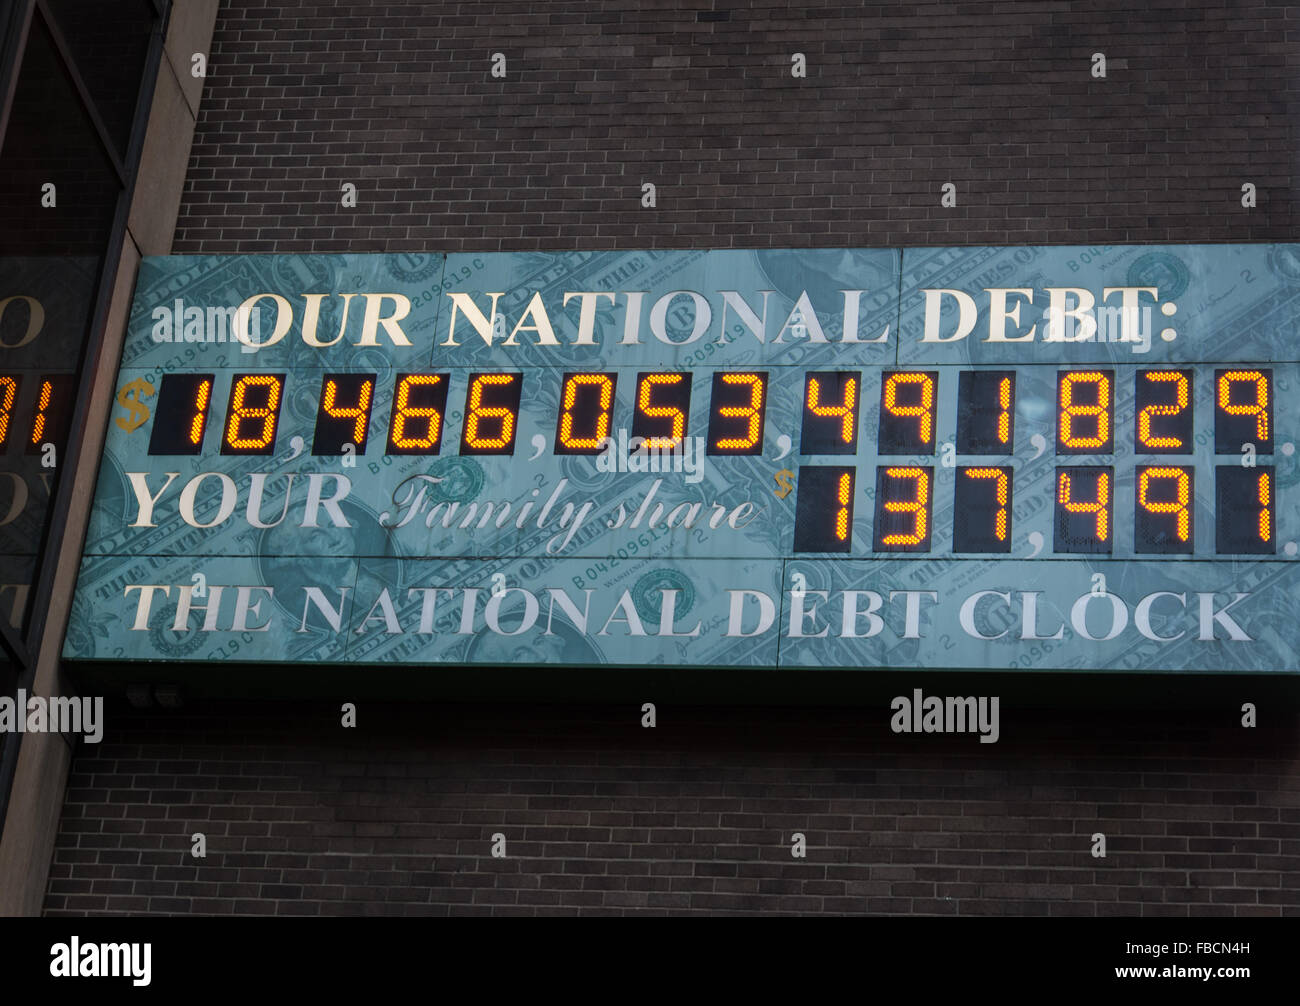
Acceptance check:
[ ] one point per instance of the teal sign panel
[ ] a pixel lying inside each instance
(1004, 458)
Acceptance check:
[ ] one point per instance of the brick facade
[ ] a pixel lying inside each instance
(603, 816)
(1201, 816)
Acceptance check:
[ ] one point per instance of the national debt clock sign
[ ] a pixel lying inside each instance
(988, 458)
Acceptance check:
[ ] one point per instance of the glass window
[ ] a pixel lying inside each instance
(109, 42)
(58, 193)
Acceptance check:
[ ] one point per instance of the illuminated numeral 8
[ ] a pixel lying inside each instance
(1258, 408)
(241, 412)
(1095, 414)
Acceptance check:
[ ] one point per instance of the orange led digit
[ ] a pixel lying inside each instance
(200, 418)
(1004, 415)
(8, 396)
(1164, 426)
(477, 412)
(180, 416)
(846, 409)
(986, 412)
(1084, 419)
(823, 519)
(1001, 489)
(1099, 506)
(255, 403)
(491, 414)
(343, 415)
(751, 413)
(919, 405)
(1083, 509)
(595, 422)
(1163, 521)
(359, 413)
(981, 519)
(1178, 506)
(664, 397)
(843, 496)
(1244, 503)
(419, 403)
(1264, 493)
(913, 504)
(52, 413)
(1244, 411)
(43, 403)
(404, 412)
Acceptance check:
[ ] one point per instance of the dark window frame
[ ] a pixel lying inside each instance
(23, 648)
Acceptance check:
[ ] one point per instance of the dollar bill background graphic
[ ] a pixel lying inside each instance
(1234, 303)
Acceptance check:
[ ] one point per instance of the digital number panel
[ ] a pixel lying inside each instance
(736, 413)
(1244, 504)
(35, 411)
(1084, 515)
(1243, 410)
(1120, 423)
(986, 412)
(1085, 418)
(491, 414)
(663, 408)
(181, 418)
(344, 414)
(9, 384)
(824, 511)
(907, 412)
(904, 503)
(831, 405)
(1163, 509)
(418, 413)
(1164, 412)
(253, 414)
(586, 414)
(982, 501)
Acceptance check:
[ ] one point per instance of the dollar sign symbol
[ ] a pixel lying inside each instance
(129, 398)
(784, 479)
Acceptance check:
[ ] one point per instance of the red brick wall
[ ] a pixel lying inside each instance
(1201, 816)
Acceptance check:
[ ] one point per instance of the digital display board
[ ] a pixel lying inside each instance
(829, 458)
